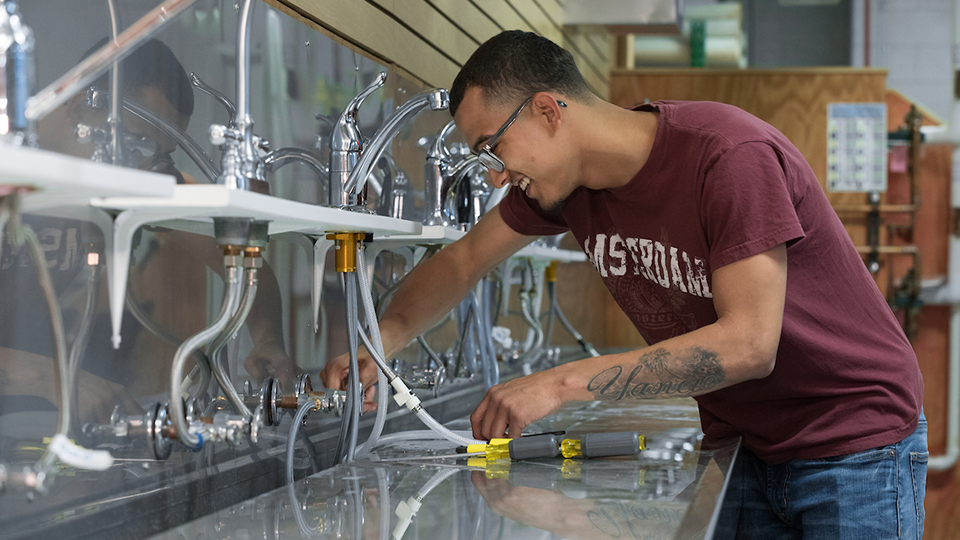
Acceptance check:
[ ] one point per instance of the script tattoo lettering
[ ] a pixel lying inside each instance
(659, 374)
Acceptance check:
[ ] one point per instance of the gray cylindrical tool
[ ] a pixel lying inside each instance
(538, 446)
(622, 443)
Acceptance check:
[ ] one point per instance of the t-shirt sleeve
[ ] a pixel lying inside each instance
(524, 216)
(746, 204)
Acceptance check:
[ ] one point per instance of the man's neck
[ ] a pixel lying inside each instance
(616, 144)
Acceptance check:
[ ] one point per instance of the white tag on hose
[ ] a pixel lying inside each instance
(79, 457)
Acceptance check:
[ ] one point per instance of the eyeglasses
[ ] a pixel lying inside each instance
(486, 155)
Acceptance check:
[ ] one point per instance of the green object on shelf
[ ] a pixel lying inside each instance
(698, 43)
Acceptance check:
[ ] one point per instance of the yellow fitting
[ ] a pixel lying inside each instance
(571, 448)
(550, 274)
(231, 250)
(346, 254)
(492, 468)
(498, 450)
(571, 469)
(251, 251)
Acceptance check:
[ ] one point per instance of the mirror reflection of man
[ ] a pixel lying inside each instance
(168, 280)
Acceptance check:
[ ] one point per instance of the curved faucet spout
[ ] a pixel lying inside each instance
(217, 95)
(437, 99)
(284, 156)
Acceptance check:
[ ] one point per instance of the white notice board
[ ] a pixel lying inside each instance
(856, 147)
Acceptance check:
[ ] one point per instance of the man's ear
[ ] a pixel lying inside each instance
(546, 105)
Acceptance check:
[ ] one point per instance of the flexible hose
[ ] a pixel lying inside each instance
(80, 342)
(488, 358)
(435, 481)
(384, 487)
(587, 347)
(444, 432)
(485, 310)
(466, 350)
(354, 392)
(551, 313)
(308, 405)
(527, 312)
(417, 435)
(383, 398)
(383, 402)
(60, 341)
(186, 349)
(236, 321)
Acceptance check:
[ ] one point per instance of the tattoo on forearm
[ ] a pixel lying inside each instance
(659, 374)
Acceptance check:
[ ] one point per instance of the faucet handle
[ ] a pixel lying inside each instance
(215, 94)
(354, 106)
(219, 134)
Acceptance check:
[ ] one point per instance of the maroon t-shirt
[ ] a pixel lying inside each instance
(720, 185)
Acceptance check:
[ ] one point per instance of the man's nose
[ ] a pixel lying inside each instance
(499, 179)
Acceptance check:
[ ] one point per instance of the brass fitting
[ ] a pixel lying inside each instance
(346, 246)
(253, 257)
(551, 272)
(232, 255)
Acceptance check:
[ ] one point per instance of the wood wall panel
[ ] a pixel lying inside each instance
(793, 101)
(471, 20)
(536, 17)
(431, 39)
(375, 33)
(430, 25)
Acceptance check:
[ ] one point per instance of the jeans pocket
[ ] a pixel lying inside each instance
(918, 475)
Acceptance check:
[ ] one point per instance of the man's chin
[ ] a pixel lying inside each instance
(553, 208)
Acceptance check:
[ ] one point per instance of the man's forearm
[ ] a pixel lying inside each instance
(696, 363)
(428, 292)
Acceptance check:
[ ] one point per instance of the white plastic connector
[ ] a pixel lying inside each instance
(77, 456)
(406, 510)
(403, 396)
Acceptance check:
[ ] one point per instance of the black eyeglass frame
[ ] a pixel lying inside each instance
(486, 155)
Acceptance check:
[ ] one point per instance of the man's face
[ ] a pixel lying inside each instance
(57, 131)
(530, 149)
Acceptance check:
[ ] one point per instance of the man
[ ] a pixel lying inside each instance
(712, 233)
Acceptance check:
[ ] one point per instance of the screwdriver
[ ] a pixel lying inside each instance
(622, 443)
(533, 447)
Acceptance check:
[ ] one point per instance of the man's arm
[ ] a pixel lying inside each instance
(433, 288)
(741, 345)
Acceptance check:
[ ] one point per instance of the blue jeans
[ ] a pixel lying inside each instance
(871, 495)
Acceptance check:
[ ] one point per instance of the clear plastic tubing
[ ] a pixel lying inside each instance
(383, 387)
(307, 406)
(375, 329)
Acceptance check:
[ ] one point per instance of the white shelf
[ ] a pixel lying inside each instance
(204, 202)
(193, 207)
(62, 180)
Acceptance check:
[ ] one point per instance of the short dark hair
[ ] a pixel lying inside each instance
(152, 64)
(514, 65)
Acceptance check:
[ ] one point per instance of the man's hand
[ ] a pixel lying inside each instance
(334, 375)
(269, 359)
(97, 397)
(513, 405)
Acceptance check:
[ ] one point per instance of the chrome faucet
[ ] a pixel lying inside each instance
(467, 191)
(240, 162)
(437, 99)
(345, 147)
(436, 179)
(17, 71)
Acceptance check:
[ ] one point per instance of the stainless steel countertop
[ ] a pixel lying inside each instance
(674, 495)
